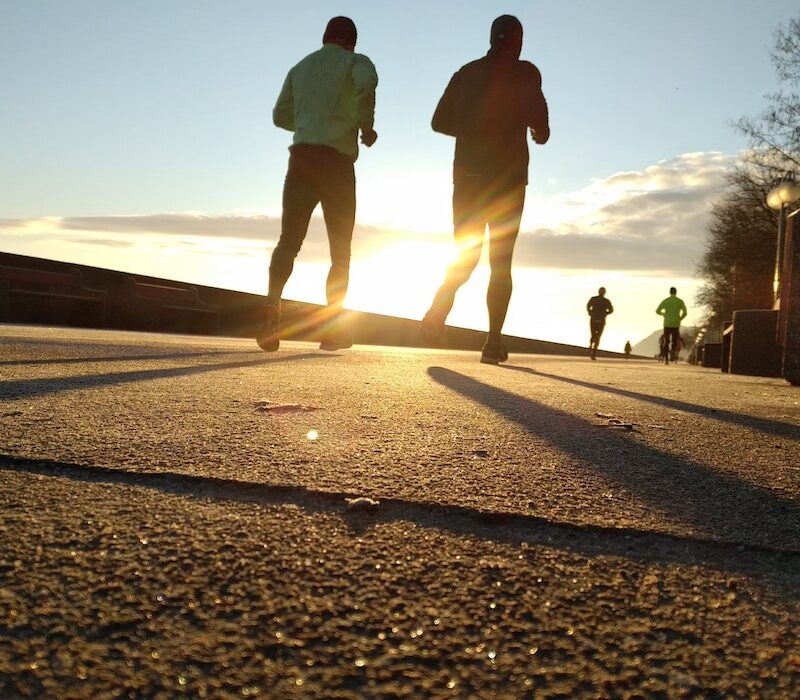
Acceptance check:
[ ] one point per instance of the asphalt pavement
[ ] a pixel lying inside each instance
(191, 516)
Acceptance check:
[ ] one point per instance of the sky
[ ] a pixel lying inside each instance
(138, 137)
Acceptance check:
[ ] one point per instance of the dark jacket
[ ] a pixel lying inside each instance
(489, 105)
(599, 307)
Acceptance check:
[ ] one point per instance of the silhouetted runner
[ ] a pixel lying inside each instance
(489, 105)
(326, 99)
(598, 308)
(674, 311)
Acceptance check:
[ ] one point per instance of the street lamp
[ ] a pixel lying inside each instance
(779, 197)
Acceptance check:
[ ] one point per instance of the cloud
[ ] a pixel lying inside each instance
(652, 220)
(547, 249)
(186, 224)
(189, 229)
(103, 242)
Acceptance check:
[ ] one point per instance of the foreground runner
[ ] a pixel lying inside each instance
(325, 100)
(489, 105)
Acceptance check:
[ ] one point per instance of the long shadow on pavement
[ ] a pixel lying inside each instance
(29, 388)
(779, 569)
(121, 358)
(693, 493)
(786, 430)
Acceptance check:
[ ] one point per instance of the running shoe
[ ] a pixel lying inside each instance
(267, 335)
(494, 352)
(336, 338)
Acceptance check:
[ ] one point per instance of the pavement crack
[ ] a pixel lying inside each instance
(505, 527)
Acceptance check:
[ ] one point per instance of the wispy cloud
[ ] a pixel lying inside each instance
(103, 242)
(253, 227)
(651, 220)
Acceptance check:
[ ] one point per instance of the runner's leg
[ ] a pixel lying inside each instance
(469, 223)
(300, 196)
(506, 212)
(339, 210)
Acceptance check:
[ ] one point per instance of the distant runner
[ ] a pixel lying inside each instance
(674, 311)
(598, 308)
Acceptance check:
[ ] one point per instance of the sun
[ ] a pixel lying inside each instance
(399, 280)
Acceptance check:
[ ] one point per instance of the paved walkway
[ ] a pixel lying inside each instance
(191, 515)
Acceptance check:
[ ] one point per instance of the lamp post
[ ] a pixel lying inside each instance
(778, 198)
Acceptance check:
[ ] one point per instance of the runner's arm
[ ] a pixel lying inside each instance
(283, 112)
(444, 118)
(539, 118)
(365, 80)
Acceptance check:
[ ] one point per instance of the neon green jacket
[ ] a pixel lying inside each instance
(673, 310)
(327, 98)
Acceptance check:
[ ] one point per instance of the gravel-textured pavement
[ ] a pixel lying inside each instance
(186, 515)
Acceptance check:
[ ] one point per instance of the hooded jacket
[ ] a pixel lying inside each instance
(489, 105)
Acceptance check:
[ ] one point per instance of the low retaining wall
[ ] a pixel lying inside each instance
(238, 313)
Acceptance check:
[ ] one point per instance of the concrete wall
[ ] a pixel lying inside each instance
(238, 314)
(754, 345)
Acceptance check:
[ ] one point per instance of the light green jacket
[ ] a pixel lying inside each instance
(327, 98)
(673, 310)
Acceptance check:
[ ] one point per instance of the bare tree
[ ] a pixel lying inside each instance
(738, 264)
(775, 134)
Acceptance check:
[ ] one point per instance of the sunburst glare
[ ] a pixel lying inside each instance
(399, 280)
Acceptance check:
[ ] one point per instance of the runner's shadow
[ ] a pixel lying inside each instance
(786, 430)
(119, 358)
(711, 501)
(31, 388)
